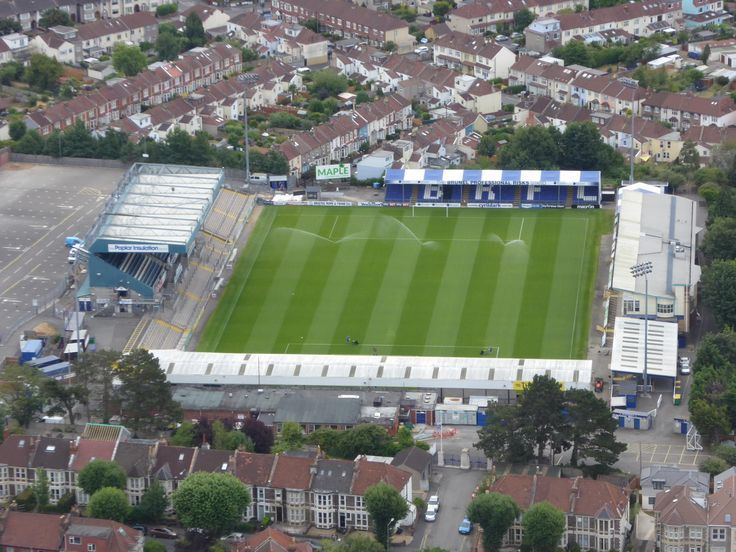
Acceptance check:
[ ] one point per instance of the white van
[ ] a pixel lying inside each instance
(259, 178)
(53, 419)
(303, 70)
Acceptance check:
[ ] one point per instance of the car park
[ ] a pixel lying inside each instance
(162, 533)
(465, 527)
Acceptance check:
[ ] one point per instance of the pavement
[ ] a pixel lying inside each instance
(39, 206)
(455, 488)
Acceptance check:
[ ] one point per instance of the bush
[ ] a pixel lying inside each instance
(26, 500)
(713, 466)
(166, 9)
(727, 454)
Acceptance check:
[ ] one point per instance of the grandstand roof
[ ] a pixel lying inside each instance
(512, 177)
(658, 228)
(184, 367)
(157, 204)
(628, 347)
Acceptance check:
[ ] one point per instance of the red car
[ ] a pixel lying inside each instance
(598, 385)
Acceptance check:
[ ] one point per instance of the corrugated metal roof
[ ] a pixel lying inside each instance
(628, 347)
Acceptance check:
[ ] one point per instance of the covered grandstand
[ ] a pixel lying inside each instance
(493, 188)
(144, 236)
(357, 371)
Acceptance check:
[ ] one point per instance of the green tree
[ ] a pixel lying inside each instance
(31, 143)
(386, 507)
(726, 453)
(9, 25)
(710, 419)
(128, 60)
(719, 290)
(194, 31)
(706, 54)
(113, 145)
(77, 141)
(249, 55)
(10, 72)
(20, 390)
(41, 489)
(362, 97)
(169, 42)
(211, 501)
(390, 46)
(522, 19)
(327, 83)
(689, 156)
(441, 8)
(291, 437)
(43, 73)
(574, 52)
(163, 10)
(719, 242)
(495, 513)
(581, 147)
(531, 148)
(17, 129)
(487, 145)
(713, 466)
(184, 436)
(62, 398)
(312, 25)
(364, 439)
(69, 89)
(108, 503)
(145, 395)
(541, 406)
(543, 527)
(94, 370)
(503, 437)
(53, 17)
(591, 428)
(356, 542)
(99, 474)
(153, 503)
(229, 440)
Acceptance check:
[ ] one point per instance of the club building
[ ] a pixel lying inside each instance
(493, 188)
(657, 228)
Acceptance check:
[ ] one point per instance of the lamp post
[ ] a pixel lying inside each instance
(638, 270)
(388, 534)
(633, 85)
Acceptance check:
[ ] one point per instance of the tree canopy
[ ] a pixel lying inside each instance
(214, 502)
(128, 60)
(53, 17)
(495, 513)
(194, 31)
(62, 398)
(719, 242)
(386, 507)
(291, 437)
(548, 419)
(327, 83)
(543, 527)
(355, 542)
(109, 503)
(20, 390)
(43, 73)
(719, 290)
(101, 473)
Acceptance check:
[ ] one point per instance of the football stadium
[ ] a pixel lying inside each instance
(402, 280)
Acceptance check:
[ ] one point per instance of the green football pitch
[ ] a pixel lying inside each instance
(427, 282)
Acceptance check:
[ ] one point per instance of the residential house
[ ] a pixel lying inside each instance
(254, 471)
(18, 46)
(172, 466)
(596, 512)
(26, 12)
(418, 462)
(54, 457)
(698, 13)
(473, 55)
(708, 138)
(314, 413)
(212, 17)
(213, 461)
(349, 20)
(124, 97)
(661, 478)
(99, 37)
(290, 481)
(16, 452)
(681, 519)
(682, 111)
(636, 18)
(543, 34)
(84, 452)
(57, 46)
(652, 140)
(476, 95)
(100, 535)
(244, 27)
(6, 54)
(136, 457)
(478, 18)
(271, 540)
(28, 532)
(330, 490)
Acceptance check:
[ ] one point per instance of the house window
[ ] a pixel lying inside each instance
(324, 519)
(695, 532)
(632, 305)
(342, 501)
(261, 493)
(718, 534)
(695, 548)
(665, 308)
(75, 540)
(674, 533)
(91, 548)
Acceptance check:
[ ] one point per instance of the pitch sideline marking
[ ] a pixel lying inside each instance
(577, 295)
(333, 227)
(400, 346)
(521, 228)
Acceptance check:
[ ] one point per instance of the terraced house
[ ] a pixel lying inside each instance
(481, 17)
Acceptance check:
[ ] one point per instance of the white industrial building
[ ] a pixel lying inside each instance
(627, 354)
(385, 372)
(660, 229)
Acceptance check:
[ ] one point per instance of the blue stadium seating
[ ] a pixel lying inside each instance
(397, 192)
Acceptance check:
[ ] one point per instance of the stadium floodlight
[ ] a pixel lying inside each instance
(246, 80)
(633, 85)
(638, 270)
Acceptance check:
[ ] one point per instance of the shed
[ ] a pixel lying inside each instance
(30, 349)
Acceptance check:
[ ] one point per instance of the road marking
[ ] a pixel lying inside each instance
(667, 454)
(333, 227)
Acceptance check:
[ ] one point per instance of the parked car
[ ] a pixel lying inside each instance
(141, 528)
(434, 502)
(162, 533)
(684, 365)
(465, 527)
(430, 514)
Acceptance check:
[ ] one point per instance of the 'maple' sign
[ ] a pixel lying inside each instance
(333, 172)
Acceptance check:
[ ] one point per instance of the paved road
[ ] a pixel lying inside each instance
(455, 488)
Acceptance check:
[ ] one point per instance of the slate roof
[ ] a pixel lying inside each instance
(412, 457)
(254, 469)
(52, 454)
(333, 476)
(16, 450)
(134, 458)
(214, 461)
(318, 411)
(173, 462)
